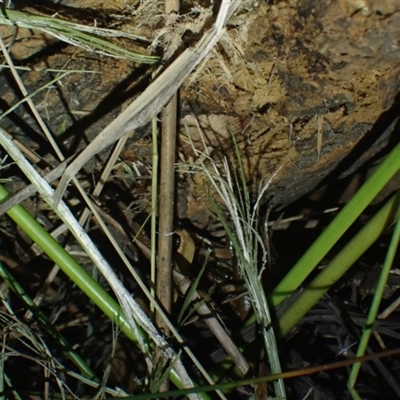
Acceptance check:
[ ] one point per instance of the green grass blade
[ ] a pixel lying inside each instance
(191, 291)
(14, 392)
(74, 356)
(82, 279)
(245, 241)
(388, 214)
(268, 378)
(337, 227)
(70, 267)
(373, 311)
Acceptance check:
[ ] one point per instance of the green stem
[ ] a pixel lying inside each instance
(373, 311)
(78, 275)
(340, 264)
(75, 357)
(336, 228)
(70, 267)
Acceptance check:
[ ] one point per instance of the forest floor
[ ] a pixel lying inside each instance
(313, 117)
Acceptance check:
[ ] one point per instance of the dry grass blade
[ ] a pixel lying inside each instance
(31, 189)
(166, 204)
(270, 378)
(75, 34)
(13, 328)
(131, 309)
(232, 191)
(86, 212)
(127, 302)
(149, 103)
(183, 283)
(166, 209)
(133, 312)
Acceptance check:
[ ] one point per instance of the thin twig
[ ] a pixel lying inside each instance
(154, 202)
(183, 283)
(132, 310)
(166, 205)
